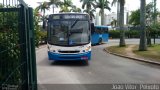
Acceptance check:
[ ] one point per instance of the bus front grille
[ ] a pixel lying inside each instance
(68, 51)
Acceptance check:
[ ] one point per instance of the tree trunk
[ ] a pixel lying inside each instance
(117, 15)
(155, 17)
(143, 43)
(149, 43)
(102, 17)
(155, 11)
(121, 24)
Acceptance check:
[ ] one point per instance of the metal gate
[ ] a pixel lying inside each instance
(17, 50)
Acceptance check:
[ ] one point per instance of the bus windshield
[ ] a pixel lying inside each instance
(69, 32)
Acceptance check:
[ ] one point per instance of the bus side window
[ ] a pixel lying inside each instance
(98, 30)
(105, 30)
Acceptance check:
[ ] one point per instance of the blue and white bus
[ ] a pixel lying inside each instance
(99, 34)
(69, 36)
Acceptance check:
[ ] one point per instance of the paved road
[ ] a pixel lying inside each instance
(102, 69)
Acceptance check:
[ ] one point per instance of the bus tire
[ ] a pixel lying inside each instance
(100, 41)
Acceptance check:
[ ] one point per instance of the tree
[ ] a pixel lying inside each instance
(66, 5)
(88, 5)
(43, 7)
(155, 11)
(37, 20)
(152, 31)
(143, 43)
(54, 3)
(91, 13)
(155, 14)
(150, 20)
(114, 23)
(135, 18)
(135, 15)
(102, 4)
(121, 21)
(9, 46)
(75, 9)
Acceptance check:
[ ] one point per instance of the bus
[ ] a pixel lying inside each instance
(69, 36)
(99, 34)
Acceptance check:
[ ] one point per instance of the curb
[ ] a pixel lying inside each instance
(133, 58)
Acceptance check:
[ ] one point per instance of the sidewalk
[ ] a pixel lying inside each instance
(133, 56)
(41, 46)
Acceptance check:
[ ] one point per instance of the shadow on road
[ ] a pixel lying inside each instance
(98, 44)
(70, 63)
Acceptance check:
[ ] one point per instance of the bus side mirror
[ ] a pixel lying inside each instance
(92, 28)
(44, 24)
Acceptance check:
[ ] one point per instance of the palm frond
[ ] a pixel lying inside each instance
(114, 2)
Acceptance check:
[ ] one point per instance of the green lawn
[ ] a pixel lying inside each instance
(117, 49)
(152, 53)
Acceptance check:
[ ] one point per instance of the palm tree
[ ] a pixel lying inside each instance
(75, 9)
(143, 43)
(121, 21)
(54, 3)
(88, 4)
(66, 5)
(43, 7)
(114, 23)
(91, 14)
(155, 11)
(155, 15)
(102, 4)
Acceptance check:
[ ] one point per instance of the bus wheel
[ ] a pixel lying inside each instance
(100, 41)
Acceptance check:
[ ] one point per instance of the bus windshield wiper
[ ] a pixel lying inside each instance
(74, 23)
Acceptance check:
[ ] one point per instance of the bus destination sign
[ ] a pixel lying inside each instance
(69, 16)
(74, 16)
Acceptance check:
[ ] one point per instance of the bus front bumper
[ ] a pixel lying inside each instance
(80, 56)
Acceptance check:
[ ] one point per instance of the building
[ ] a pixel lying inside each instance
(97, 19)
(110, 17)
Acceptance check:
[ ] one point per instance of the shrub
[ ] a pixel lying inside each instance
(128, 33)
(114, 34)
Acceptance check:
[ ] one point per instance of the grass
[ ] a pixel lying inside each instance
(153, 52)
(117, 49)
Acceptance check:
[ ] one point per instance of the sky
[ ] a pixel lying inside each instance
(130, 4)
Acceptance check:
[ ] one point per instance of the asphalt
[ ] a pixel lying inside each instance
(104, 68)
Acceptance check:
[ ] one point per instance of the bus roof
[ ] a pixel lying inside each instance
(98, 26)
(69, 16)
(69, 13)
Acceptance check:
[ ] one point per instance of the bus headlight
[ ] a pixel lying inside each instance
(88, 48)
